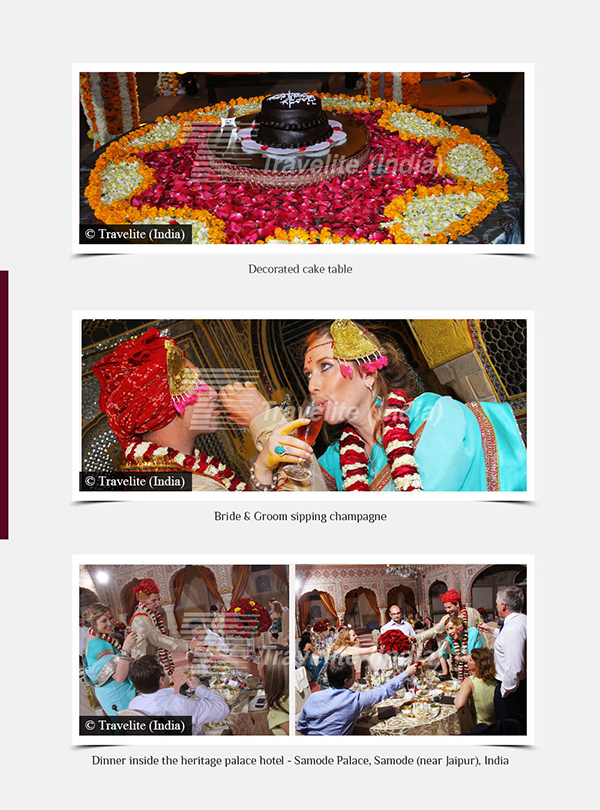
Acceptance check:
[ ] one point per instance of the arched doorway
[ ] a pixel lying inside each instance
(86, 598)
(316, 605)
(436, 608)
(195, 594)
(488, 582)
(362, 609)
(403, 596)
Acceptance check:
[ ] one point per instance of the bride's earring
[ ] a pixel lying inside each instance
(377, 400)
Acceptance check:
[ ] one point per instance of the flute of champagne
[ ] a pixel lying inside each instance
(315, 411)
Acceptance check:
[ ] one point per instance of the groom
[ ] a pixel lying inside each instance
(157, 405)
(153, 638)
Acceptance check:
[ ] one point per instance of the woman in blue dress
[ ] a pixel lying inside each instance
(389, 441)
(106, 660)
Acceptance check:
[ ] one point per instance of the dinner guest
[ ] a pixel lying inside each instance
(334, 711)
(510, 656)
(347, 644)
(157, 699)
(398, 622)
(106, 660)
(477, 691)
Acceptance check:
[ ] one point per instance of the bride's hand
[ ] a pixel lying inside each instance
(130, 640)
(271, 456)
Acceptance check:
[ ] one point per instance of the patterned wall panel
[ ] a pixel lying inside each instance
(338, 580)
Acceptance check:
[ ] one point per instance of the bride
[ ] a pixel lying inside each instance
(388, 441)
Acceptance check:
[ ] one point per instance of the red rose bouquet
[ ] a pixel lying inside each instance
(393, 641)
(321, 626)
(247, 618)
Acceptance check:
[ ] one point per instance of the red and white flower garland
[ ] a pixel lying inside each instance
(112, 640)
(398, 444)
(164, 656)
(148, 454)
(463, 648)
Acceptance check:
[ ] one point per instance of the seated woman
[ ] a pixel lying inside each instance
(347, 644)
(273, 670)
(389, 441)
(478, 689)
(106, 660)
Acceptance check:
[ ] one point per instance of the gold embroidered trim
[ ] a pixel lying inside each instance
(381, 480)
(490, 446)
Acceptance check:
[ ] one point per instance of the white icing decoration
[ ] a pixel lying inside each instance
(293, 98)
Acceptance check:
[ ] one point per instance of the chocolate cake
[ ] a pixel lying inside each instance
(291, 120)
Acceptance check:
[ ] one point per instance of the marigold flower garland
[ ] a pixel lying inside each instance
(167, 84)
(398, 444)
(110, 103)
(351, 211)
(404, 87)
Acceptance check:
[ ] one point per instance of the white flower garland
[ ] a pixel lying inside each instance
(397, 87)
(427, 216)
(119, 181)
(466, 160)
(417, 126)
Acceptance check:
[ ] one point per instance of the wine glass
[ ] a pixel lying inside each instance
(314, 411)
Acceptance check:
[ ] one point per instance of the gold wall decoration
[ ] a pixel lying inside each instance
(442, 340)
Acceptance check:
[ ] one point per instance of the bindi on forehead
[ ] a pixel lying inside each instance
(309, 355)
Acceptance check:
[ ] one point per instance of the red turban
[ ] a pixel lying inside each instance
(146, 587)
(135, 393)
(450, 596)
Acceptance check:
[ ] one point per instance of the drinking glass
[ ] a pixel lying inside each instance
(315, 411)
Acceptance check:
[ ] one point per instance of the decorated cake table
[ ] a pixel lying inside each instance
(424, 180)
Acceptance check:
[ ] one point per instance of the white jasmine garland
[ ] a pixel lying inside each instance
(348, 104)
(427, 216)
(417, 126)
(120, 181)
(126, 110)
(166, 131)
(101, 133)
(466, 160)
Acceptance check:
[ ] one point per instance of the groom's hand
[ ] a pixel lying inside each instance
(243, 402)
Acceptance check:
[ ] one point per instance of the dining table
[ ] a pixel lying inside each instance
(392, 716)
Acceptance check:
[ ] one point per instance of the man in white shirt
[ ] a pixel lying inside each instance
(510, 656)
(398, 622)
(158, 699)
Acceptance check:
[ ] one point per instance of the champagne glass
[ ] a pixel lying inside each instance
(314, 411)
